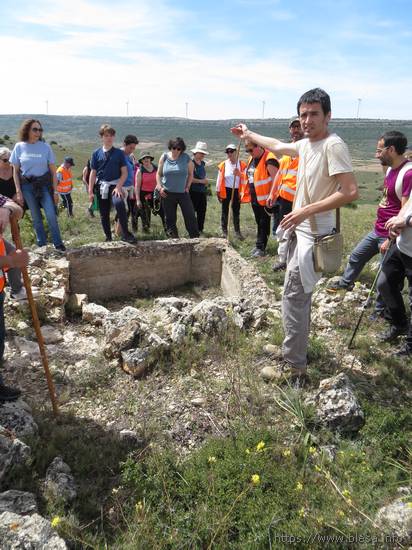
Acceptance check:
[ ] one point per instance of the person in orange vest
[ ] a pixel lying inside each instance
(283, 192)
(65, 184)
(261, 170)
(229, 174)
(13, 259)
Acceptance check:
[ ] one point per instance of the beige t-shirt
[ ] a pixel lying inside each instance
(319, 162)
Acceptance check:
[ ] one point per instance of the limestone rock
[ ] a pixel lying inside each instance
(28, 532)
(396, 519)
(59, 483)
(116, 320)
(211, 317)
(16, 416)
(12, 452)
(336, 404)
(136, 362)
(178, 332)
(123, 338)
(27, 348)
(58, 296)
(19, 502)
(51, 335)
(94, 314)
(198, 401)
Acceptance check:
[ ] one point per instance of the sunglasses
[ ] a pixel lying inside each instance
(5, 160)
(176, 148)
(250, 150)
(228, 151)
(35, 129)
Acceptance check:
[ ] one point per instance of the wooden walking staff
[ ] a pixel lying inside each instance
(233, 190)
(15, 232)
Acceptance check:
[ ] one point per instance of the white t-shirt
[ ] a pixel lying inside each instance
(319, 163)
(404, 241)
(229, 177)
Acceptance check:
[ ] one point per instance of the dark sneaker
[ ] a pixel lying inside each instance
(279, 266)
(339, 285)
(9, 394)
(405, 352)
(239, 236)
(392, 333)
(90, 211)
(61, 248)
(129, 238)
(108, 240)
(224, 233)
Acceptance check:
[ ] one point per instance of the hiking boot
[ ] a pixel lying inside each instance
(279, 266)
(339, 285)
(290, 374)
(392, 333)
(224, 233)
(19, 296)
(405, 352)
(239, 236)
(60, 248)
(108, 240)
(377, 314)
(8, 394)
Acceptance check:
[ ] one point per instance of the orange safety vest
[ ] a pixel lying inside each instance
(261, 179)
(65, 185)
(220, 187)
(2, 276)
(284, 184)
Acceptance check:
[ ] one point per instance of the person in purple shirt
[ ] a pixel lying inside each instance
(396, 191)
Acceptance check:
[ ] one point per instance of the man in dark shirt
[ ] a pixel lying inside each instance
(109, 172)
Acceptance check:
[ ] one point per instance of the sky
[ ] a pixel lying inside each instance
(232, 59)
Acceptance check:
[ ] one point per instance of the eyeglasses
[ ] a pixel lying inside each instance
(36, 129)
(176, 148)
(379, 151)
(5, 160)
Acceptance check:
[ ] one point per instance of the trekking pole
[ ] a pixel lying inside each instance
(232, 194)
(15, 232)
(368, 299)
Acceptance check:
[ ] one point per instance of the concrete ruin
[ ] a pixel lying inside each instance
(151, 267)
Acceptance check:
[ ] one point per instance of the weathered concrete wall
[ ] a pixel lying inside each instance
(150, 267)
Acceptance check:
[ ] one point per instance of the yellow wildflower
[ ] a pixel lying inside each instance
(247, 451)
(211, 459)
(255, 479)
(318, 468)
(299, 486)
(302, 512)
(409, 504)
(320, 520)
(286, 453)
(55, 521)
(260, 446)
(341, 513)
(139, 506)
(312, 451)
(346, 493)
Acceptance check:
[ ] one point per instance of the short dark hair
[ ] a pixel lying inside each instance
(316, 95)
(25, 128)
(106, 128)
(129, 139)
(396, 139)
(177, 142)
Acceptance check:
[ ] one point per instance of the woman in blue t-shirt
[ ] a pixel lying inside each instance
(34, 172)
(174, 178)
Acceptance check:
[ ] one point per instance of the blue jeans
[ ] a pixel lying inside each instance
(366, 249)
(46, 202)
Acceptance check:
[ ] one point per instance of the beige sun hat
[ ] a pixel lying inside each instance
(200, 147)
(5, 153)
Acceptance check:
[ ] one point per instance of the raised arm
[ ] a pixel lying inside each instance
(272, 144)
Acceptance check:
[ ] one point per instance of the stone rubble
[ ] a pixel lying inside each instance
(396, 519)
(13, 452)
(28, 532)
(59, 484)
(18, 502)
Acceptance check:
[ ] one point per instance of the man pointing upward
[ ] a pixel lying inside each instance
(325, 169)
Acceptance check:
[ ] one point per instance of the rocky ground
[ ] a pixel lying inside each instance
(165, 372)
